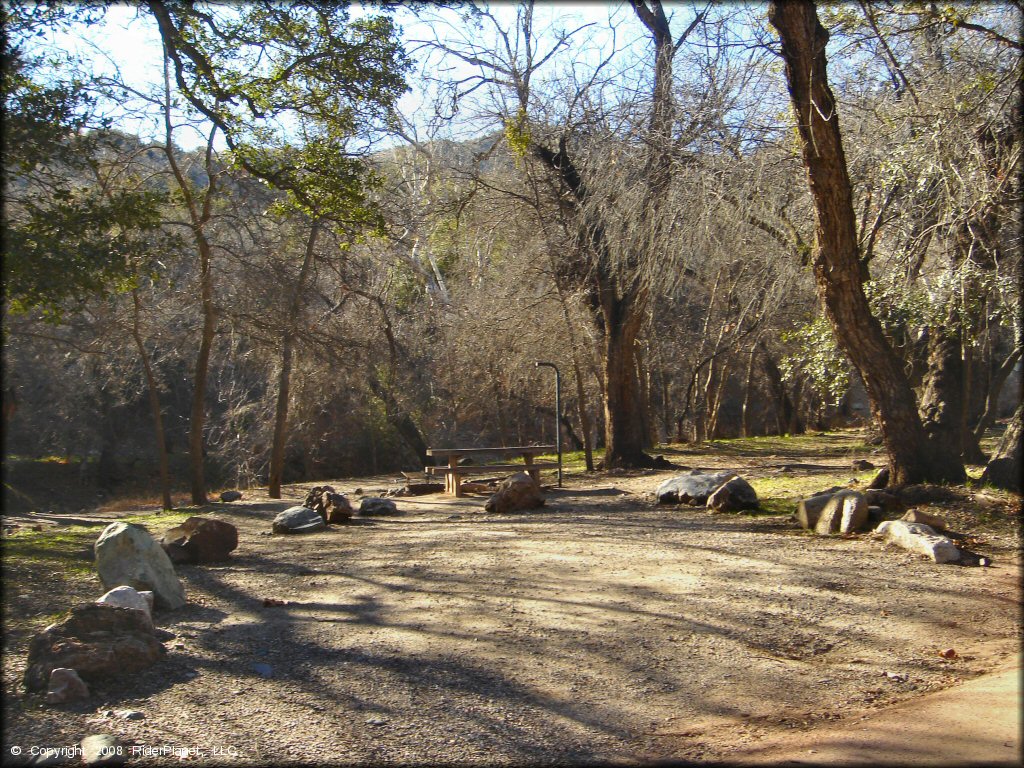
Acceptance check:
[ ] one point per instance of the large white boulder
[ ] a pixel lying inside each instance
(127, 555)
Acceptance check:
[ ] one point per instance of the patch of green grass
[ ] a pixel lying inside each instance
(51, 550)
(776, 506)
(782, 492)
(157, 522)
(572, 461)
(811, 444)
(65, 551)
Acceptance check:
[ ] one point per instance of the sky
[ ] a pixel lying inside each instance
(127, 41)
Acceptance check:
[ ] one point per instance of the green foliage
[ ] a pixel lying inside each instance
(64, 240)
(517, 134)
(298, 91)
(77, 244)
(815, 355)
(900, 308)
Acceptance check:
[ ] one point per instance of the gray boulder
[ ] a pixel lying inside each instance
(693, 488)
(735, 495)
(844, 512)
(298, 520)
(230, 496)
(126, 554)
(97, 641)
(65, 686)
(919, 538)
(517, 492)
(374, 505)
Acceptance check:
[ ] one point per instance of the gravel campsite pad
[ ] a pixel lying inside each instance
(600, 627)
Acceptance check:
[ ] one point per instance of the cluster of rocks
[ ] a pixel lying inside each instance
(112, 637)
(324, 506)
(127, 554)
(845, 511)
(833, 511)
(330, 505)
(116, 635)
(720, 492)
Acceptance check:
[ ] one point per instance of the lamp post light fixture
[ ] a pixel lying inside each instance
(558, 414)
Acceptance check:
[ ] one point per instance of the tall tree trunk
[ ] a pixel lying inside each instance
(625, 437)
(583, 415)
(995, 387)
(197, 415)
(837, 267)
(280, 439)
(622, 296)
(942, 404)
(154, 407)
(748, 389)
(970, 449)
(787, 416)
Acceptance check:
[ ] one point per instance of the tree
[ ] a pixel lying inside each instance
(621, 231)
(935, 167)
(81, 224)
(1004, 469)
(837, 265)
(67, 238)
(246, 70)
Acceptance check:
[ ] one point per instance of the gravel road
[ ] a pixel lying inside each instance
(600, 628)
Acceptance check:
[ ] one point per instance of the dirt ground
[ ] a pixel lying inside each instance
(601, 628)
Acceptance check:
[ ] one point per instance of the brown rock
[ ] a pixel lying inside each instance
(200, 540)
(520, 491)
(332, 506)
(733, 496)
(97, 641)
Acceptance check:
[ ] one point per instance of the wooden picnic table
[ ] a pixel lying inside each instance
(453, 471)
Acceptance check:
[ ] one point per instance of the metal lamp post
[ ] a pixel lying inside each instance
(558, 414)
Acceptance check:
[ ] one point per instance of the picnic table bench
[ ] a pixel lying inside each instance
(453, 470)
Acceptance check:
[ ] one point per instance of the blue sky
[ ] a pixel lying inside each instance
(126, 43)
